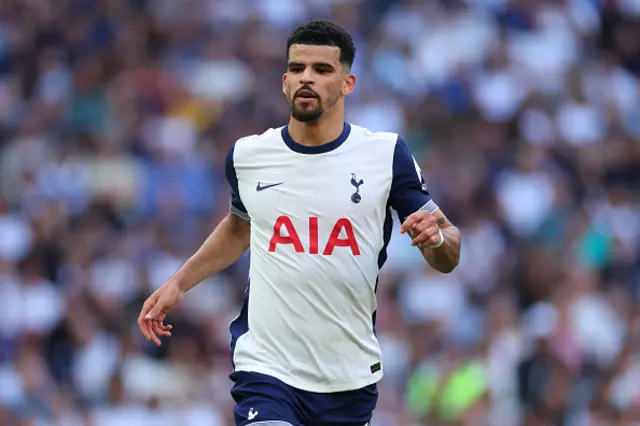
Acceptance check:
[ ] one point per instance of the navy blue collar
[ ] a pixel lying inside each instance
(320, 149)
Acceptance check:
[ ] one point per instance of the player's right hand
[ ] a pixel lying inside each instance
(155, 310)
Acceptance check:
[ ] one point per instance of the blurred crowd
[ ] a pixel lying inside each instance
(115, 117)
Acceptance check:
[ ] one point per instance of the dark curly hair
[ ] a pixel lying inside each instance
(325, 33)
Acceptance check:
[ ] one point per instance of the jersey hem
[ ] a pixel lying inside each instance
(316, 388)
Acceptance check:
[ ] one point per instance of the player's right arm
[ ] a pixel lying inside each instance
(220, 250)
(229, 240)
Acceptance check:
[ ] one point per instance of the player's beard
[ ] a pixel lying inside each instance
(312, 113)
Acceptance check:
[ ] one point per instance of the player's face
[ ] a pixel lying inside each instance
(315, 81)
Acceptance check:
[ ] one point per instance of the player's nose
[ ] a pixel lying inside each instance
(307, 77)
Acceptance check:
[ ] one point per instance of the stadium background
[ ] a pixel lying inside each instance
(114, 120)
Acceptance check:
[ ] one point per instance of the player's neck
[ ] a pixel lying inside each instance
(323, 131)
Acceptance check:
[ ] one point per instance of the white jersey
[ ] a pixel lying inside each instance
(320, 224)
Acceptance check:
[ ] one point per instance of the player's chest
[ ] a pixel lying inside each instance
(314, 186)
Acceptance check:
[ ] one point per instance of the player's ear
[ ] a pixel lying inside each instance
(348, 85)
(284, 83)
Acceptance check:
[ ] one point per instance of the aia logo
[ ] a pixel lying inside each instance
(284, 232)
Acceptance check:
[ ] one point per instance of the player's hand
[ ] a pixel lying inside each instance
(155, 310)
(422, 226)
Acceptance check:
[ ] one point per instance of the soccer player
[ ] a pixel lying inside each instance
(313, 200)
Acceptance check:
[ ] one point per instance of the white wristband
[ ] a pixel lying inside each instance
(439, 243)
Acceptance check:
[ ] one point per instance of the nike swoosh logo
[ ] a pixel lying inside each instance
(261, 187)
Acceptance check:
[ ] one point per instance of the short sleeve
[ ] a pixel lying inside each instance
(236, 207)
(408, 188)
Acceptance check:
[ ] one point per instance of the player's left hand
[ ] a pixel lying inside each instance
(422, 226)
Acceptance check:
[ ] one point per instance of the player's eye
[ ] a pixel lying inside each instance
(296, 69)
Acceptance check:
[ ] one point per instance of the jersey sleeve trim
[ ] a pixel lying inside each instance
(430, 206)
(236, 205)
(236, 211)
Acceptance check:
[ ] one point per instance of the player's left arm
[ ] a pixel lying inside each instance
(436, 237)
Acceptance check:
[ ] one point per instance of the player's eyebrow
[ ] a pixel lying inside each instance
(315, 65)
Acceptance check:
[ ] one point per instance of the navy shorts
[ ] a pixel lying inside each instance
(261, 398)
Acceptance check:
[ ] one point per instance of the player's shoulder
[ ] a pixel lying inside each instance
(253, 144)
(259, 139)
(365, 135)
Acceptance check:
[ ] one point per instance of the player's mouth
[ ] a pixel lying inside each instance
(306, 96)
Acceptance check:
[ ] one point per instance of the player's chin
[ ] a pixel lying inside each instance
(307, 115)
(307, 104)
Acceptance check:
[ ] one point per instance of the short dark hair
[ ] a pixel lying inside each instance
(325, 33)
